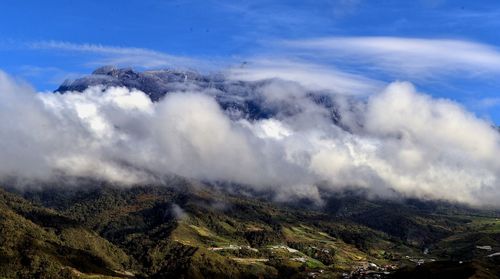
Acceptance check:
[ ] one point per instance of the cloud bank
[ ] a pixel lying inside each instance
(397, 142)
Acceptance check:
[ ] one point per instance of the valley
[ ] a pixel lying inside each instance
(189, 230)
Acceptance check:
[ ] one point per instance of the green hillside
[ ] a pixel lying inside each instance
(42, 243)
(194, 231)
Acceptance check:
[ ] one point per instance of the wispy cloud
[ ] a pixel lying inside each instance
(490, 102)
(414, 57)
(346, 7)
(51, 75)
(120, 56)
(309, 75)
(262, 19)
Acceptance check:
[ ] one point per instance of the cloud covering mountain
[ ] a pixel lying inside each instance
(273, 135)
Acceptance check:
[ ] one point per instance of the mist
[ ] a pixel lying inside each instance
(396, 142)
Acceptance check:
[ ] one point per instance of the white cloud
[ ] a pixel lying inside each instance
(178, 212)
(309, 75)
(405, 143)
(411, 56)
(434, 146)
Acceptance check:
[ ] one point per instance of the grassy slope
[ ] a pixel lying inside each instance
(38, 242)
(220, 235)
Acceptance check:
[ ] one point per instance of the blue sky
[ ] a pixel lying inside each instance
(448, 49)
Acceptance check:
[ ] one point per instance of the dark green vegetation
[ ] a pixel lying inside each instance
(189, 230)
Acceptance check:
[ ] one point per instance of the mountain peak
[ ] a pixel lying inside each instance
(239, 99)
(105, 70)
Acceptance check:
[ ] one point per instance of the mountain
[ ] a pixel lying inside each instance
(239, 99)
(186, 228)
(42, 243)
(190, 230)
